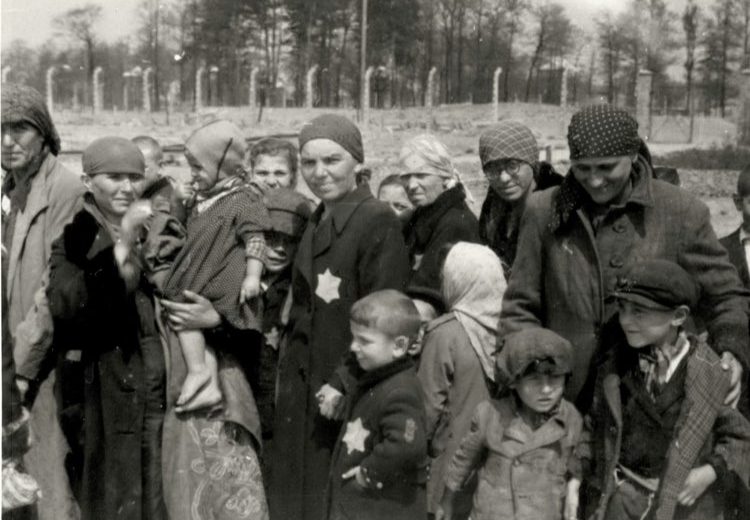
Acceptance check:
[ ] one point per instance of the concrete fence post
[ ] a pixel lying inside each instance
(496, 93)
(147, 89)
(643, 103)
(309, 86)
(253, 99)
(199, 75)
(97, 87)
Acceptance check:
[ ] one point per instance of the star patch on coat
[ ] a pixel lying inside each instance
(409, 430)
(355, 436)
(328, 286)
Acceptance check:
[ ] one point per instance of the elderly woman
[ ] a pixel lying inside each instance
(441, 215)
(577, 238)
(351, 247)
(510, 161)
(103, 309)
(43, 196)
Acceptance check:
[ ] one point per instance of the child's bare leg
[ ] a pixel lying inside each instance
(201, 386)
(209, 395)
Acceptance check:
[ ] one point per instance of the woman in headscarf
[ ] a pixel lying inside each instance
(577, 238)
(103, 308)
(510, 161)
(352, 246)
(457, 365)
(43, 198)
(441, 215)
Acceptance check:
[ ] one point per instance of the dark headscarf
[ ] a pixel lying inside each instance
(24, 103)
(602, 131)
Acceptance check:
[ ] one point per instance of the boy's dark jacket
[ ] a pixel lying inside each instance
(384, 434)
(736, 251)
(704, 426)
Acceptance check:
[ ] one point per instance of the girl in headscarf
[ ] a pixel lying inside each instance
(457, 365)
(441, 215)
(510, 161)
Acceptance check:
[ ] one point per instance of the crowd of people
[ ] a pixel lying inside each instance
(227, 348)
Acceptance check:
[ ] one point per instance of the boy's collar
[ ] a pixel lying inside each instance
(375, 376)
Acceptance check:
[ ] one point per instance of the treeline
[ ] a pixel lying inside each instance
(694, 54)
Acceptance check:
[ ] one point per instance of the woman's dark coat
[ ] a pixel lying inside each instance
(94, 313)
(359, 249)
(446, 221)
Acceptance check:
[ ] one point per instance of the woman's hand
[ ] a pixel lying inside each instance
(196, 313)
(729, 362)
(698, 480)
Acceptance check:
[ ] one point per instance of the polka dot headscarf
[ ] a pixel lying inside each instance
(602, 131)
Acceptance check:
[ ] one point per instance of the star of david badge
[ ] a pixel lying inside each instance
(355, 436)
(328, 286)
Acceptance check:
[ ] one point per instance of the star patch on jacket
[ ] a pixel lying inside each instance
(355, 436)
(328, 286)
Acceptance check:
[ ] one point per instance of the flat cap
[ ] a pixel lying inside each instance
(542, 349)
(657, 284)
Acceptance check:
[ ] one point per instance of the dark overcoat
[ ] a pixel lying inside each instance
(357, 250)
(94, 312)
(736, 251)
(384, 434)
(565, 271)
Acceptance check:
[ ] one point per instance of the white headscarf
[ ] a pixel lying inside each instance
(473, 288)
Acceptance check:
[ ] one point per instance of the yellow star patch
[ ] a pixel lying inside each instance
(328, 286)
(355, 436)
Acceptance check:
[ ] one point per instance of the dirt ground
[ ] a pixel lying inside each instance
(458, 126)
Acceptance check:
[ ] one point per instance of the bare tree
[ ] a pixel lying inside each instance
(611, 44)
(78, 24)
(514, 10)
(690, 26)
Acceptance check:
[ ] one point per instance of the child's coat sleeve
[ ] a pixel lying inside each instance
(732, 443)
(470, 452)
(403, 447)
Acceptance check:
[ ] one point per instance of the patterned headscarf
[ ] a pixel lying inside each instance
(24, 103)
(473, 289)
(602, 131)
(508, 140)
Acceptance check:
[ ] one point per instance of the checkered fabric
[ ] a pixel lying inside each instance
(508, 140)
(602, 131)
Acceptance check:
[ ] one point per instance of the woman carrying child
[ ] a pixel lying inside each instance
(211, 429)
(352, 246)
(457, 367)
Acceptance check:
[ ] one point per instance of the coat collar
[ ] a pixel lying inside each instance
(526, 439)
(370, 379)
(105, 236)
(340, 215)
(424, 220)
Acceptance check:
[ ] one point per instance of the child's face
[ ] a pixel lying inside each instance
(644, 326)
(373, 348)
(395, 196)
(540, 392)
(202, 180)
(273, 171)
(742, 203)
(280, 249)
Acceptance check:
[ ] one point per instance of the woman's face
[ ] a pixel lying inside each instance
(603, 178)
(423, 188)
(328, 169)
(509, 178)
(113, 192)
(21, 144)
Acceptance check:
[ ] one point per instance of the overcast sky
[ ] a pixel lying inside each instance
(31, 20)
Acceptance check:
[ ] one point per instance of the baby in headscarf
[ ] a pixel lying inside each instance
(223, 255)
(457, 366)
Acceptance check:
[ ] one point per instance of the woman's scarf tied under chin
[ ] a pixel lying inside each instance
(473, 288)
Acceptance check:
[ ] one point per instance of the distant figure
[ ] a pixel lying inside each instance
(273, 163)
(392, 192)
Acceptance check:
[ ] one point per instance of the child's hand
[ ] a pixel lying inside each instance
(571, 500)
(355, 472)
(696, 484)
(136, 216)
(250, 288)
(330, 402)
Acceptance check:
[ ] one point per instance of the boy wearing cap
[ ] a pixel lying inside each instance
(524, 445)
(664, 443)
(378, 467)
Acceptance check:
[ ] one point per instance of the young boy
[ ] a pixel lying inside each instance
(665, 444)
(166, 194)
(273, 162)
(523, 445)
(379, 468)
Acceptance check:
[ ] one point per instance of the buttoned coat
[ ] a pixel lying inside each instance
(564, 272)
(357, 250)
(523, 472)
(736, 251)
(383, 434)
(704, 427)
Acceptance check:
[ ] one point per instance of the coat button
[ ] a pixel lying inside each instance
(616, 262)
(619, 227)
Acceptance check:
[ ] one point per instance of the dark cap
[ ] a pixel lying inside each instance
(336, 128)
(289, 211)
(112, 155)
(539, 350)
(657, 284)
